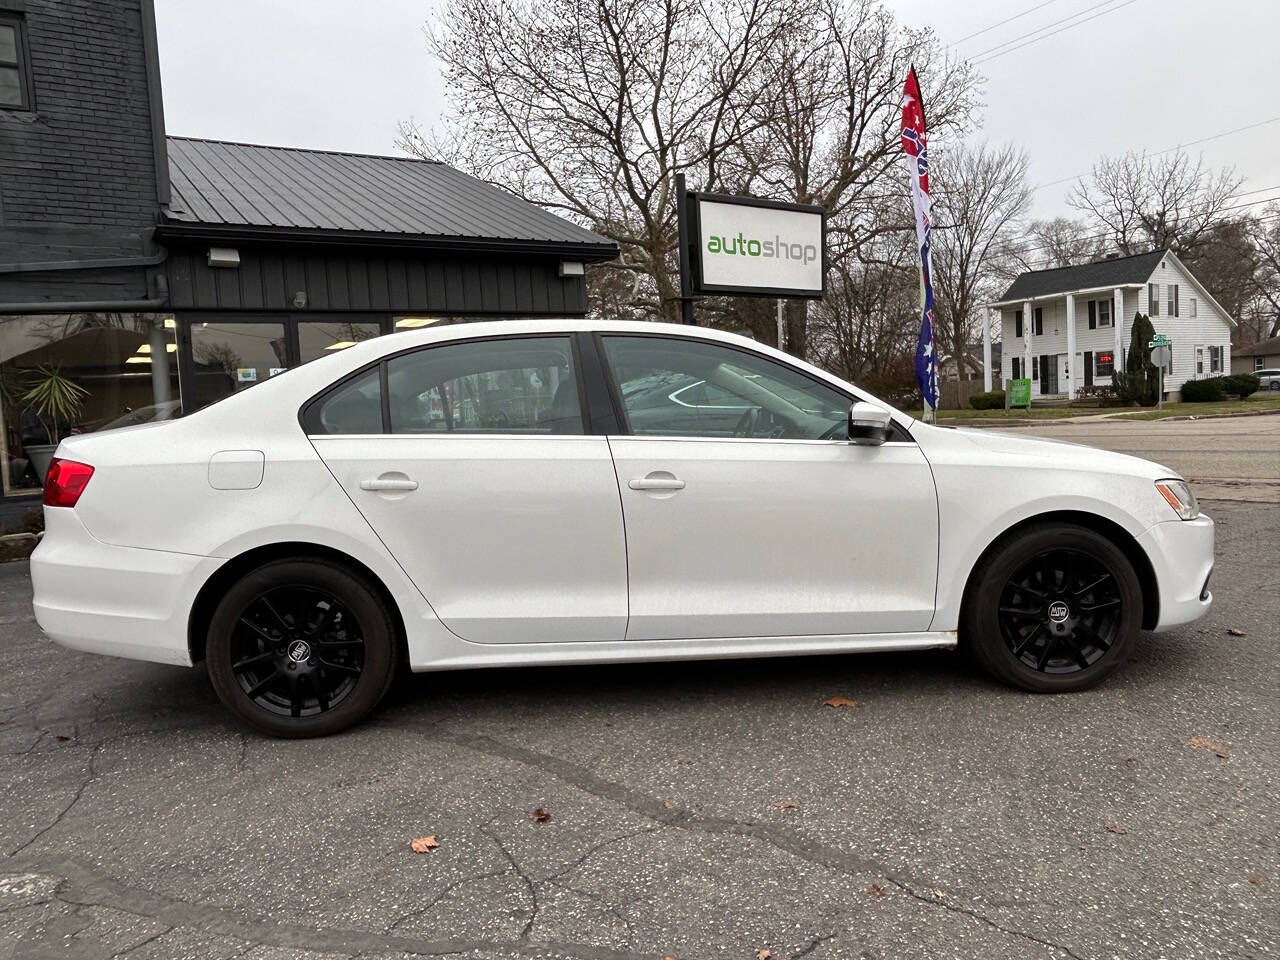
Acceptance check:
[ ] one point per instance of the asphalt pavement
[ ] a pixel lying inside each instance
(698, 811)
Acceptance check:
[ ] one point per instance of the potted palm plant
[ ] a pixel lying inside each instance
(55, 399)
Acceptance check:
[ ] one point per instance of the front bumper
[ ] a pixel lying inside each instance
(1181, 554)
(122, 601)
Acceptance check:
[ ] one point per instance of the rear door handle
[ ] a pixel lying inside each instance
(656, 483)
(389, 484)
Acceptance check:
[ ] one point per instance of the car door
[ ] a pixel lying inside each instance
(470, 461)
(771, 524)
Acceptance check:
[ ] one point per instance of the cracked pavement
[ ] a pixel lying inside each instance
(701, 811)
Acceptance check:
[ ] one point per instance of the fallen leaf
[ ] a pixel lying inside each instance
(1258, 879)
(876, 890)
(669, 804)
(1233, 632)
(668, 957)
(424, 844)
(786, 805)
(839, 702)
(1130, 759)
(764, 955)
(541, 816)
(1117, 830)
(62, 738)
(1217, 746)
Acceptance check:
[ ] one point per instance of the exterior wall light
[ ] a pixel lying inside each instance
(224, 257)
(572, 268)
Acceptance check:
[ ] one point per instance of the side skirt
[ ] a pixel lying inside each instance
(722, 648)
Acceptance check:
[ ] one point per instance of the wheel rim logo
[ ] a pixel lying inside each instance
(1058, 611)
(299, 651)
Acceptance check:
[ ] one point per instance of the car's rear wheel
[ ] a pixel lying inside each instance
(1055, 609)
(301, 648)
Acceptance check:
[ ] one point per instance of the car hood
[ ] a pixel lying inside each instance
(1061, 454)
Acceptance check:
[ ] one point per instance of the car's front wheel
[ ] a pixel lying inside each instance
(301, 648)
(1056, 608)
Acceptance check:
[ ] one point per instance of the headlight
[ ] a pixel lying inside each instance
(1180, 498)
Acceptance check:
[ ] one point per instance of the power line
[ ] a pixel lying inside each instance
(1047, 26)
(1161, 153)
(1016, 16)
(1028, 43)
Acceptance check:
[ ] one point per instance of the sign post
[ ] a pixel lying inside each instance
(682, 228)
(1161, 348)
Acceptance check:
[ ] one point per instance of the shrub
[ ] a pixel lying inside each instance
(993, 400)
(1241, 384)
(1140, 382)
(1203, 391)
(1096, 393)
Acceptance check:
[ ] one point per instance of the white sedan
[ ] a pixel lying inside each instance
(555, 492)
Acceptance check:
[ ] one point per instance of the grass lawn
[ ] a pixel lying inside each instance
(1255, 404)
(1019, 413)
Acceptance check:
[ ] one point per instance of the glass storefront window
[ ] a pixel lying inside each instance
(72, 373)
(319, 337)
(228, 357)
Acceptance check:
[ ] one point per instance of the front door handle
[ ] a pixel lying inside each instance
(656, 483)
(389, 484)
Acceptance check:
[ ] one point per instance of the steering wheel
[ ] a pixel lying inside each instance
(746, 425)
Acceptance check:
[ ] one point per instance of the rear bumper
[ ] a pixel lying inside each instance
(1181, 554)
(121, 601)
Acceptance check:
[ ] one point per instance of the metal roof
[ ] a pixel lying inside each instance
(1118, 271)
(228, 186)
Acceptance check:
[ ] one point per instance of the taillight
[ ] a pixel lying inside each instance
(65, 481)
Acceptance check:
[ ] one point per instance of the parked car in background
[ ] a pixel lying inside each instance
(1268, 379)
(554, 492)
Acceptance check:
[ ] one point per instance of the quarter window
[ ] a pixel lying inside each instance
(682, 388)
(354, 407)
(15, 85)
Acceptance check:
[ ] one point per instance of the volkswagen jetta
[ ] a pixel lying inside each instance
(556, 492)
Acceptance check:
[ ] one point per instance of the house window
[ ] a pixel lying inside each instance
(1035, 368)
(1193, 306)
(1257, 363)
(15, 85)
(1017, 324)
(1215, 359)
(1039, 321)
(1104, 363)
(1153, 299)
(1173, 299)
(1199, 361)
(1104, 313)
(1016, 368)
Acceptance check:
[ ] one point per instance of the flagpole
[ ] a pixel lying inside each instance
(914, 140)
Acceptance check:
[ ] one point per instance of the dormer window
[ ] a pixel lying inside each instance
(15, 83)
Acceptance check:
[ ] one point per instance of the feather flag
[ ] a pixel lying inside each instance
(913, 145)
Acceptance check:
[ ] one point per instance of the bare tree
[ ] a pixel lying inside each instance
(1057, 242)
(590, 109)
(981, 194)
(829, 135)
(1144, 202)
(1265, 315)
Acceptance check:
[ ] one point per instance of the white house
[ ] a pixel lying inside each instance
(1069, 327)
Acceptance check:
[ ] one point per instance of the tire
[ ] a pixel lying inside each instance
(1016, 629)
(301, 648)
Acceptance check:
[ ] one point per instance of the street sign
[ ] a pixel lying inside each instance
(1020, 393)
(1159, 340)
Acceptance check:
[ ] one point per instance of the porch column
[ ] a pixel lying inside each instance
(1071, 346)
(1028, 324)
(986, 351)
(1117, 321)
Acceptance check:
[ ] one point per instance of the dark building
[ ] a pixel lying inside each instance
(143, 275)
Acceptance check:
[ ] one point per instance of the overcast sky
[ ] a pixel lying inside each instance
(1140, 73)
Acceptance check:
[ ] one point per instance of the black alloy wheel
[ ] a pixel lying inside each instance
(1059, 612)
(301, 648)
(297, 651)
(1055, 608)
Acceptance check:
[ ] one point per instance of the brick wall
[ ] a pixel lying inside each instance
(77, 173)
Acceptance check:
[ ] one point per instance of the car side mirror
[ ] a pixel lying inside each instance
(868, 424)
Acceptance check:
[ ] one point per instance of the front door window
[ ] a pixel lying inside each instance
(681, 388)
